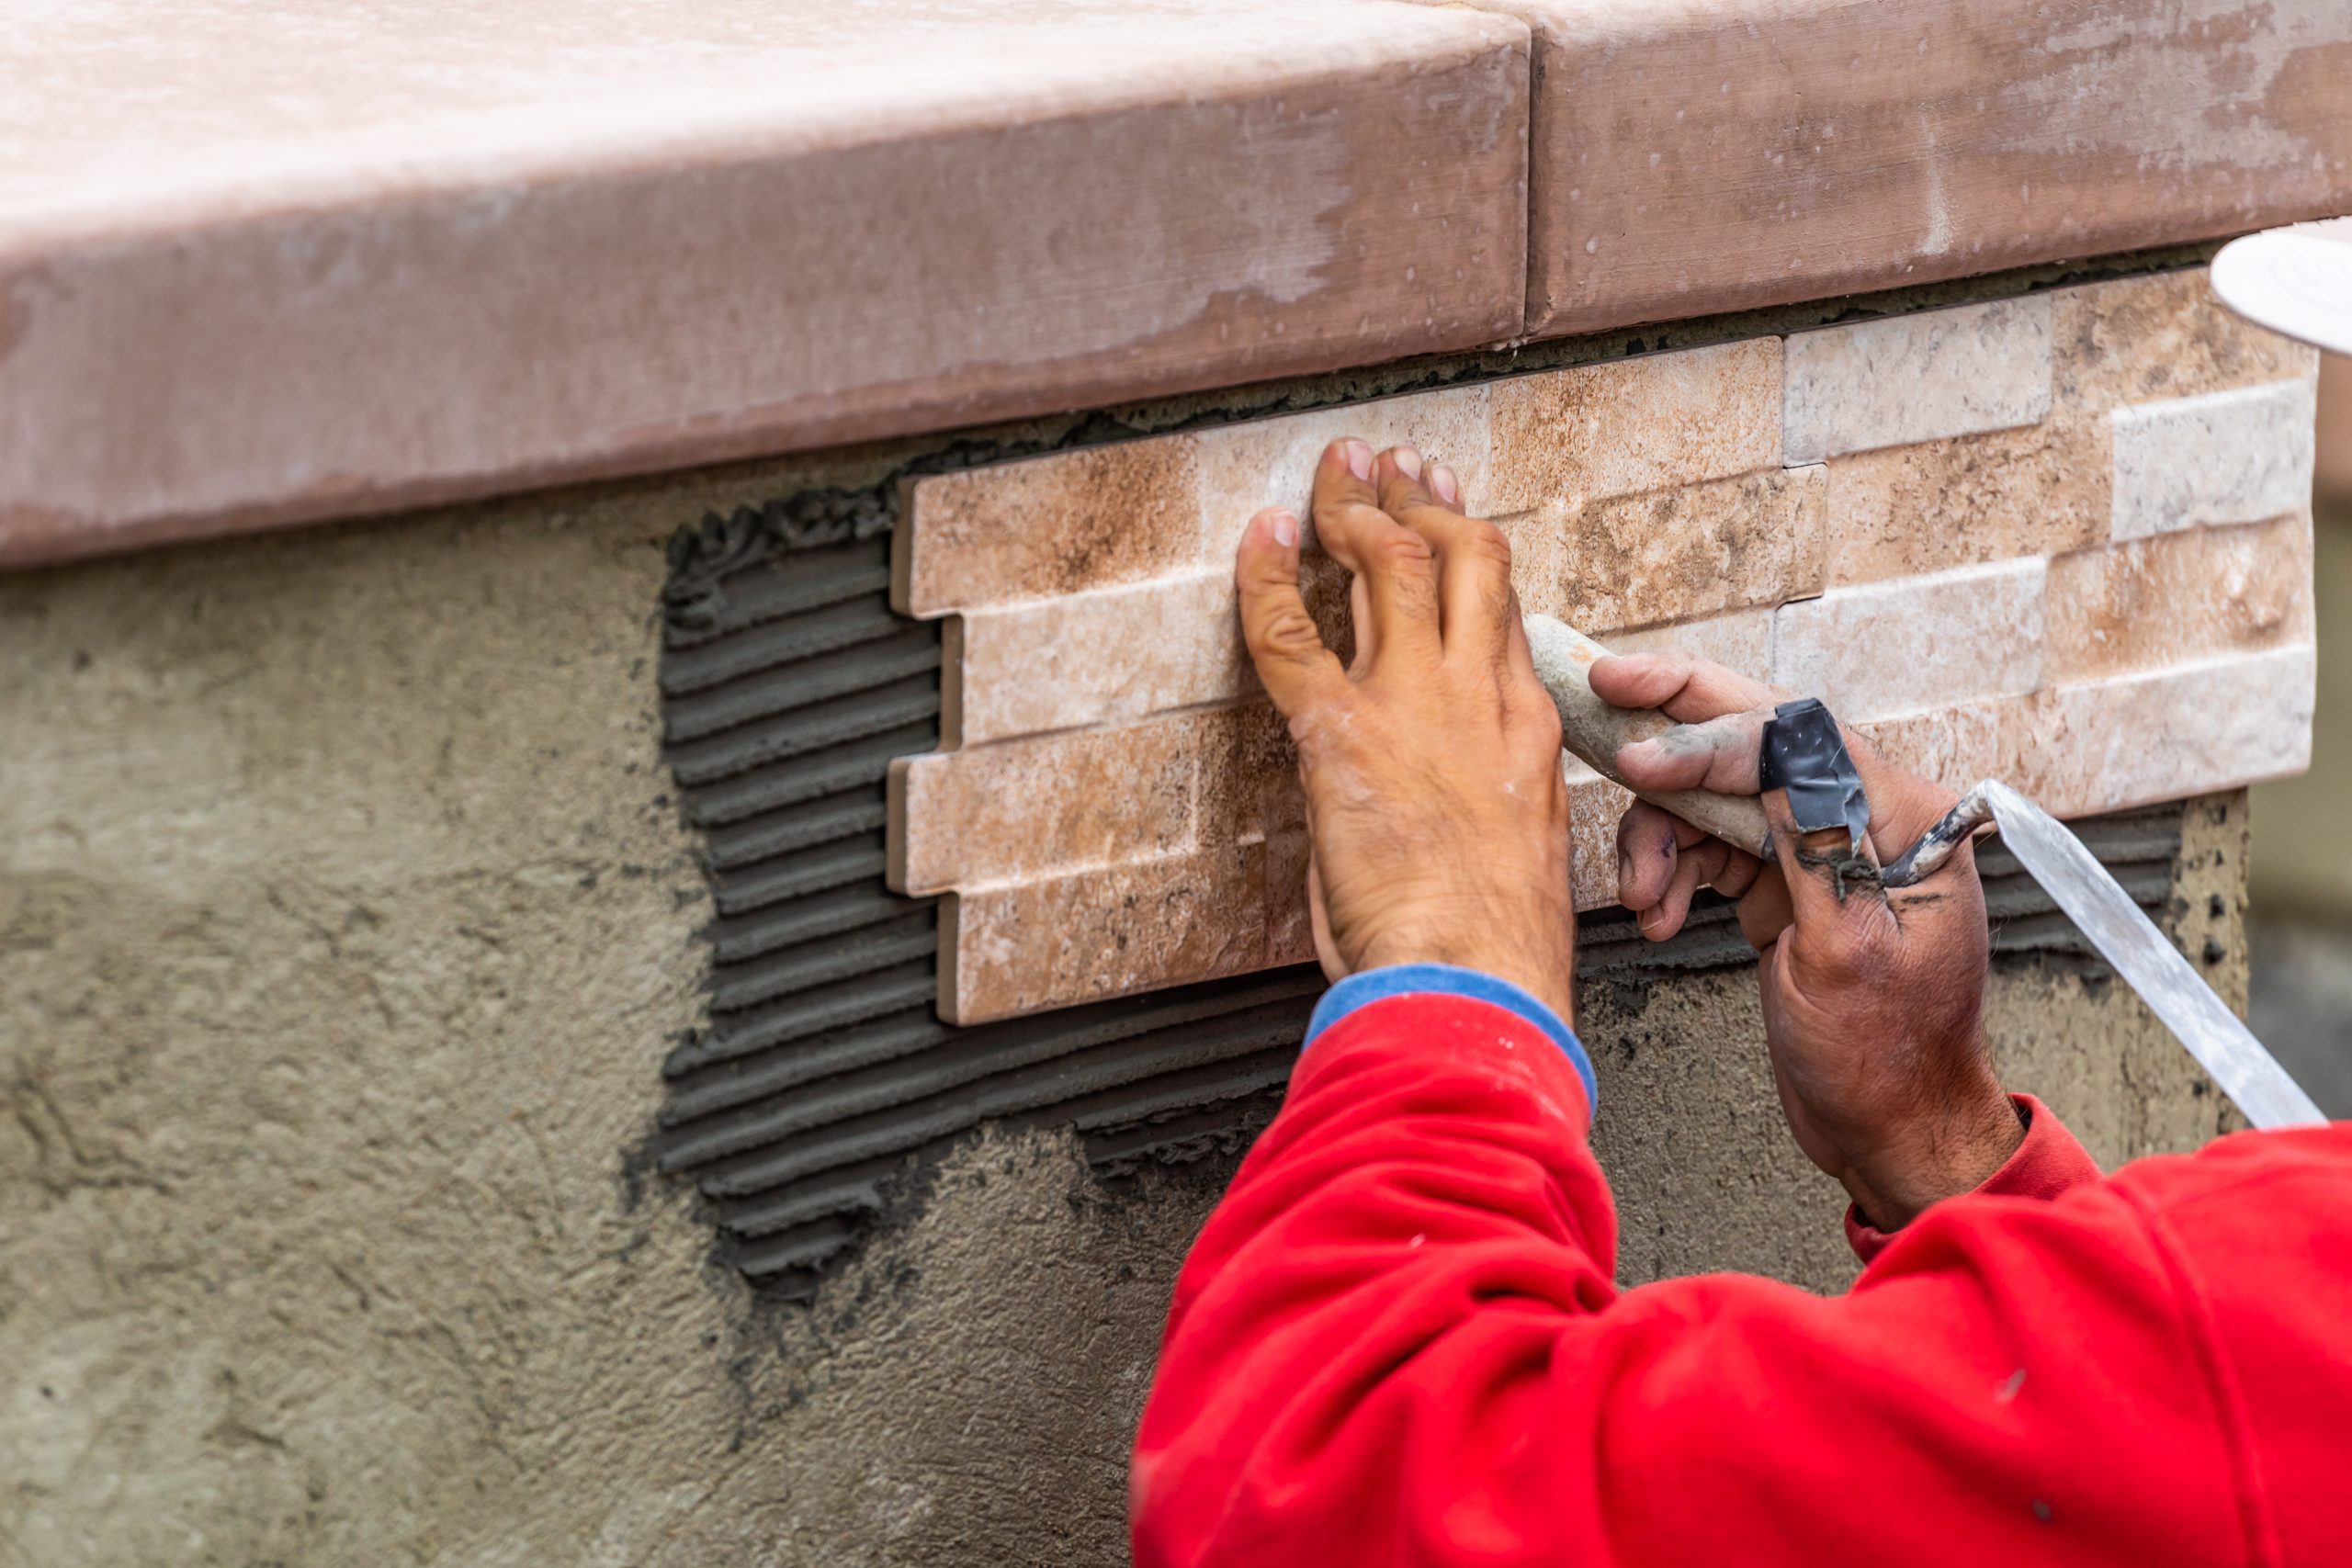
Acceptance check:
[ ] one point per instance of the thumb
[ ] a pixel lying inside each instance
(1833, 887)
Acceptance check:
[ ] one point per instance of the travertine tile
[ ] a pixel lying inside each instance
(1088, 518)
(1978, 622)
(988, 814)
(2138, 340)
(1958, 746)
(1248, 467)
(1673, 553)
(1568, 437)
(1887, 648)
(269, 265)
(2175, 597)
(2233, 456)
(1717, 154)
(1939, 504)
(1921, 377)
(1110, 931)
(2107, 745)
(1113, 654)
(1741, 640)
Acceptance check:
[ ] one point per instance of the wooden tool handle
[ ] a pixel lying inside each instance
(1593, 731)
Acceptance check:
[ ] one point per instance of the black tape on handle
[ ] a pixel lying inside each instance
(1804, 754)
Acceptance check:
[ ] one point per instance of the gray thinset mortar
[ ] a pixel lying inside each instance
(825, 1074)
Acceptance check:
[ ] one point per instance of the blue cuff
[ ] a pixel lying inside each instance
(1370, 985)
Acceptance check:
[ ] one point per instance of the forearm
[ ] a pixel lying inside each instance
(1431, 1158)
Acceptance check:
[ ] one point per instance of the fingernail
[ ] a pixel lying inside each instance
(1408, 462)
(1360, 458)
(1442, 481)
(1286, 529)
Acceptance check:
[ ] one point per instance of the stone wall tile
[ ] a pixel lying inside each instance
(1109, 655)
(2232, 457)
(1595, 805)
(2174, 597)
(1741, 640)
(1568, 437)
(1248, 467)
(1061, 523)
(1107, 932)
(1674, 554)
(2109, 745)
(2032, 490)
(2138, 340)
(1958, 746)
(1917, 378)
(988, 814)
(1887, 648)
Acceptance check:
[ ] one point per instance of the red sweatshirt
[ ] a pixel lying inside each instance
(1398, 1341)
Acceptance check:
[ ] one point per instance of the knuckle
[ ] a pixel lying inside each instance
(1288, 633)
(1402, 551)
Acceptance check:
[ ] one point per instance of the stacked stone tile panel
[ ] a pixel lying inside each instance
(1951, 526)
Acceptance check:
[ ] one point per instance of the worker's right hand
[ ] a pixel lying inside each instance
(1874, 997)
(1431, 761)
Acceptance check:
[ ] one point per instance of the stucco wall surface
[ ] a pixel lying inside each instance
(344, 917)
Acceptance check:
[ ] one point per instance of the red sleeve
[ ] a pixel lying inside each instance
(1397, 1342)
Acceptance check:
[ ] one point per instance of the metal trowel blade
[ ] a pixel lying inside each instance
(2149, 963)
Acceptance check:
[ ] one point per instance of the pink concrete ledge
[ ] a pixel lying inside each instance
(1693, 156)
(260, 265)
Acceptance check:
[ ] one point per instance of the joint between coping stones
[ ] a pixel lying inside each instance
(700, 553)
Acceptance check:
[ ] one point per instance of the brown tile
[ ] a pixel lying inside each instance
(1108, 656)
(1709, 156)
(2176, 597)
(1248, 467)
(1247, 774)
(1908, 510)
(1021, 808)
(1106, 932)
(2139, 340)
(1088, 518)
(1570, 437)
(1674, 554)
(1594, 806)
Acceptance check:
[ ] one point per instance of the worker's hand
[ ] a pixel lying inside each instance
(1431, 764)
(1873, 999)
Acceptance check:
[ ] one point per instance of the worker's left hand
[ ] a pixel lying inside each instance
(1873, 998)
(1431, 765)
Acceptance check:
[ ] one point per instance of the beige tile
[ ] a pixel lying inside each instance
(1090, 518)
(2232, 457)
(1921, 377)
(1247, 775)
(1678, 554)
(1714, 155)
(1106, 932)
(988, 814)
(1956, 747)
(1912, 644)
(1908, 510)
(1741, 641)
(1594, 806)
(1568, 437)
(1107, 656)
(1248, 467)
(2139, 340)
(2176, 597)
(2162, 734)
(265, 266)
